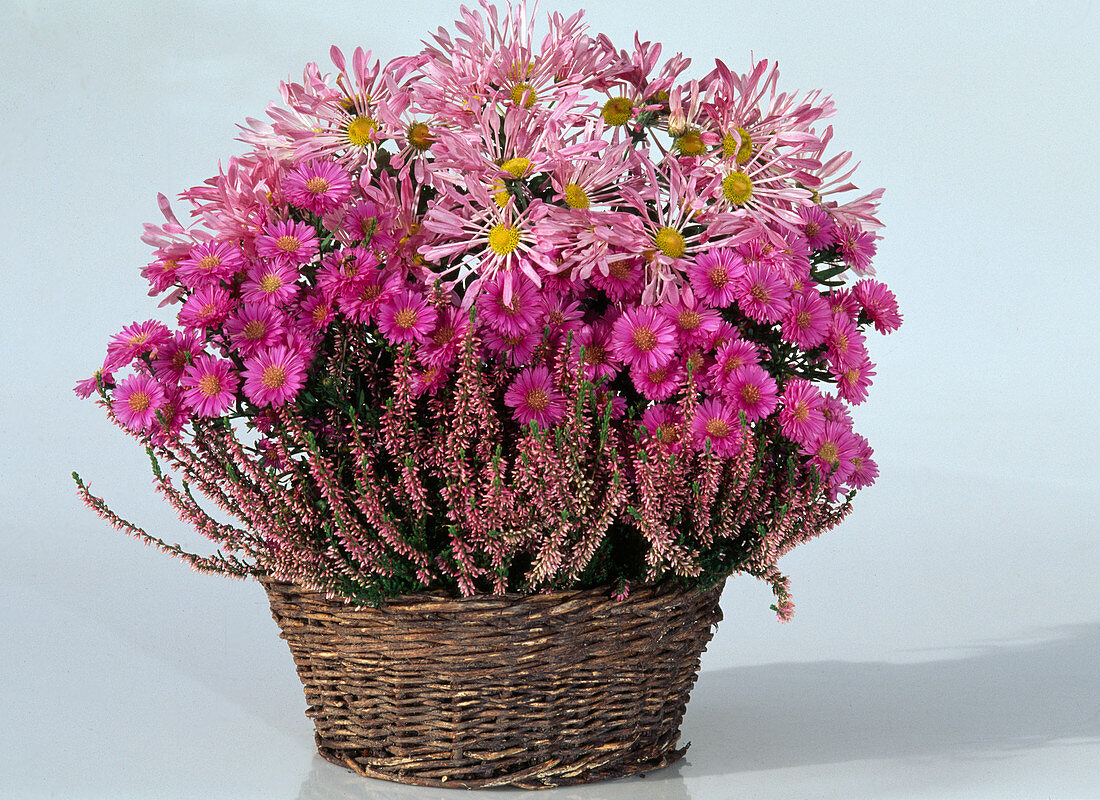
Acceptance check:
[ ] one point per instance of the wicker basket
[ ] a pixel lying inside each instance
(530, 691)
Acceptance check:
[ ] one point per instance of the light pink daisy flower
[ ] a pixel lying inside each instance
(753, 391)
(136, 401)
(210, 385)
(533, 398)
(210, 262)
(762, 294)
(806, 322)
(207, 307)
(717, 422)
(852, 383)
(817, 226)
(318, 186)
(598, 359)
(695, 322)
(135, 340)
(255, 326)
(643, 338)
(857, 248)
(879, 304)
(175, 356)
(406, 316)
(714, 274)
(274, 376)
(864, 469)
(509, 315)
(800, 414)
(665, 424)
(832, 452)
(288, 242)
(272, 283)
(659, 383)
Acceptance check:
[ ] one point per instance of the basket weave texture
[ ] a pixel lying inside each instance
(531, 691)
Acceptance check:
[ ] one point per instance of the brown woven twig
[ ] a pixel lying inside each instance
(530, 691)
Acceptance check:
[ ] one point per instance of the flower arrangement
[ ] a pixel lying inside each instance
(510, 316)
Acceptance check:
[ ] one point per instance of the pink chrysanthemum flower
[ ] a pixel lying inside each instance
(175, 356)
(441, 347)
(832, 452)
(762, 294)
(864, 469)
(133, 341)
(509, 315)
(714, 275)
(288, 242)
(847, 347)
(89, 386)
(857, 248)
(753, 391)
(806, 322)
(272, 283)
(800, 415)
(533, 398)
(255, 326)
(274, 376)
(659, 383)
(817, 226)
(598, 358)
(206, 308)
(136, 401)
(852, 383)
(210, 385)
(210, 262)
(732, 356)
(695, 323)
(643, 338)
(318, 186)
(665, 424)
(406, 316)
(879, 304)
(717, 422)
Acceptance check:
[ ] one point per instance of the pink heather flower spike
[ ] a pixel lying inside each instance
(274, 376)
(533, 398)
(136, 401)
(210, 386)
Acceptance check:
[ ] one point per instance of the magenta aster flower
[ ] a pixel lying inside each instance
(857, 248)
(717, 423)
(762, 293)
(835, 410)
(806, 322)
(732, 356)
(817, 226)
(695, 323)
(512, 315)
(659, 383)
(879, 304)
(255, 326)
(800, 414)
(665, 424)
(89, 386)
(753, 391)
(441, 347)
(136, 401)
(598, 359)
(138, 339)
(288, 242)
(643, 338)
(362, 300)
(318, 186)
(210, 262)
(315, 312)
(207, 307)
(518, 349)
(274, 376)
(406, 316)
(864, 469)
(560, 313)
(210, 385)
(843, 302)
(272, 283)
(832, 452)
(623, 281)
(847, 347)
(533, 398)
(170, 417)
(174, 357)
(714, 274)
(853, 382)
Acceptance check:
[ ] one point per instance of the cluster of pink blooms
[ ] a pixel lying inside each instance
(687, 247)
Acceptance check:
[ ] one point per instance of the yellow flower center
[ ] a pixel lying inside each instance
(287, 243)
(139, 402)
(689, 320)
(420, 136)
(618, 110)
(537, 399)
(361, 131)
(503, 239)
(320, 311)
(210, 385)
(668, 433)
(690, 144)
(317, 185)
(828, 452)
(740, 153)
(270, 283)
(517, 167)
(208, 263)
(750, 393)
(759, 293)
(405, 318)
(718, 428)
(802, 319)
(670, 242)
(737, 188)
(254, 329)
(524, 94)
(443, 335)
(273, 377)
(644, 338)
(801, 411)
(718, 276)
(594, 354)
(576, 197)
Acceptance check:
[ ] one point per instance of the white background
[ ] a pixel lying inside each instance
(947, 637)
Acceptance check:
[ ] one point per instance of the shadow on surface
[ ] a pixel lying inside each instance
(1005, 697)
